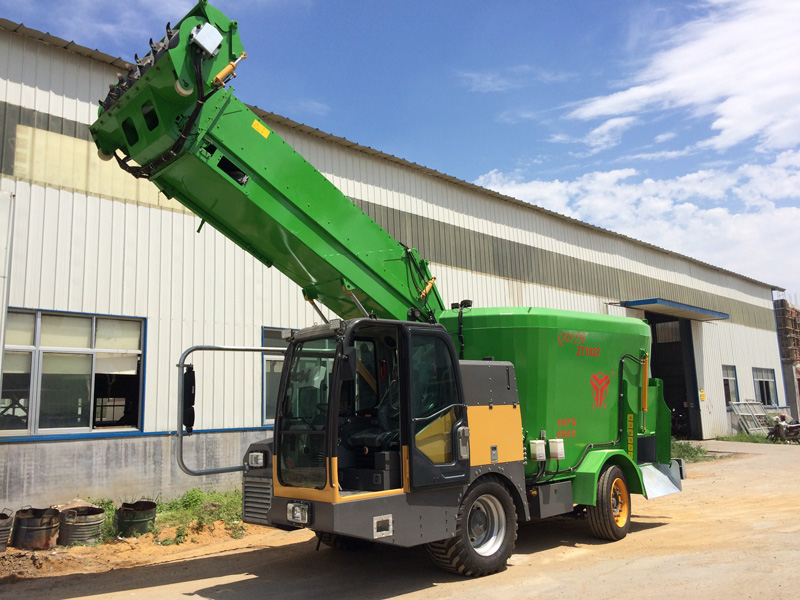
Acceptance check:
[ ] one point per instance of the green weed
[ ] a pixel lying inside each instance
(741, 436)
(690, 452)
(197, 510)
(107, 532)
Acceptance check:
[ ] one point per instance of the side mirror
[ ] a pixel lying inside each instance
(348, 364)
(188, 398)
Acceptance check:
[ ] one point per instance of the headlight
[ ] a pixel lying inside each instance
(297, 512)
(255, 459)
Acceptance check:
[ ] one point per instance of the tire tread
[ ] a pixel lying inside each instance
(453, 554)
(600, 516)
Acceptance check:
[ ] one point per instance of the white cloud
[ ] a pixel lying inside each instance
(312, 107)
(695, 214)
(738, 65)
(660, 155)
(510, 78)
(488, 81)
(512, 117)
(608, 134)
(602, 137)
(665, 137)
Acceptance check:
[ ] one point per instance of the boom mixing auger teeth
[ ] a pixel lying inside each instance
(144, 112)
(139, 67)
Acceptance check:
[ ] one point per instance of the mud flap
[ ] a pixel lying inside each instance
(661, 480)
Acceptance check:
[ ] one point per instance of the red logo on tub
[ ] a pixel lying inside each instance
(600, 383)
(571, 337)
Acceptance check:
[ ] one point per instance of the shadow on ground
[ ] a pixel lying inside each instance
(297, 570)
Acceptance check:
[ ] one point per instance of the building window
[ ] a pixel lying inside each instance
(729, 384)
(668, 332)
(70, 372)
(273, 364)
(764, 380)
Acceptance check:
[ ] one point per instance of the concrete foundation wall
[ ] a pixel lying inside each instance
(41, 474)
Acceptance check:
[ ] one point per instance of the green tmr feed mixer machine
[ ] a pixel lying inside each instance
(400, 422)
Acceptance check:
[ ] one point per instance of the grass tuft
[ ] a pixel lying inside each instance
(107, 532)
(197, 510)
(689, 452)
(741, 436)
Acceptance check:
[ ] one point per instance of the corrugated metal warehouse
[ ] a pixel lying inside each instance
(106, 282)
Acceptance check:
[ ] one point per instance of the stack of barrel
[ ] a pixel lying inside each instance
(75, 523)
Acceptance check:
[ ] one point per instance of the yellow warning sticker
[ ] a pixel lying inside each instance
(261, 128)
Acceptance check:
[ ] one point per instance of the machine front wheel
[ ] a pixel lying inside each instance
(610, 517)
(486, 531)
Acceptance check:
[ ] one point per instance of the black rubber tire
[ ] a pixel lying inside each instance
(342, 542)
(486, 532)
(610, 517)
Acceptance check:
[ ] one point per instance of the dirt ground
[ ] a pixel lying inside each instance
(734, 532)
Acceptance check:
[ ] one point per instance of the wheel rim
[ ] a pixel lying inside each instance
(620, 507)
(486, 525)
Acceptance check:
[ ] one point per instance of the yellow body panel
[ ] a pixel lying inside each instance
(499, 426)
(331, 494)
(435, 441)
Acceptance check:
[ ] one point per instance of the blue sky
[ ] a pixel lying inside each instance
(677, 123)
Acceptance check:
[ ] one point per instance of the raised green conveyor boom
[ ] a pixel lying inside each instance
(202, 146)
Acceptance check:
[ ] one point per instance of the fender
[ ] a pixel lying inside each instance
(584, 488)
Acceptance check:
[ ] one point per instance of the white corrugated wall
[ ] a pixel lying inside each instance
(720, 343)
(51, 80)
(85, 254)
(6, 224)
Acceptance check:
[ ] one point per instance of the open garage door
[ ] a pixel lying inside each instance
(672, 361)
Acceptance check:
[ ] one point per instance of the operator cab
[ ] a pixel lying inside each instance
(364, 394)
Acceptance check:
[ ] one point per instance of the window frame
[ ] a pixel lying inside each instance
(773, 388)
(275, 341)
(735, 388)
(38, 353)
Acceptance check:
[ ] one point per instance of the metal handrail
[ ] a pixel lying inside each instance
(181, 369)
(437, 413)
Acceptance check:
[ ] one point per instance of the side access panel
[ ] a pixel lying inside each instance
(403, 519)
(495, 425)
(551, 499)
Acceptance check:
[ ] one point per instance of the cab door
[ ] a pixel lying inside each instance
(437, 416)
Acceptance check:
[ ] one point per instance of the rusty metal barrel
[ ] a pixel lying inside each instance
(135, 518)
(35, 529)
(6, 519)
(80, 525)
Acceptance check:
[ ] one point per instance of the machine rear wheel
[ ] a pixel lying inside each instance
(486, 531)
(610, 517)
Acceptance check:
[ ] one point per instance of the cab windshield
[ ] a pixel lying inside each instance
(304, 414)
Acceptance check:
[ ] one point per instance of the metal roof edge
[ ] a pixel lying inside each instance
(52, 40)
(70, 46)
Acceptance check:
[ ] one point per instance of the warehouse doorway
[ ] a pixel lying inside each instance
(672, 361)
